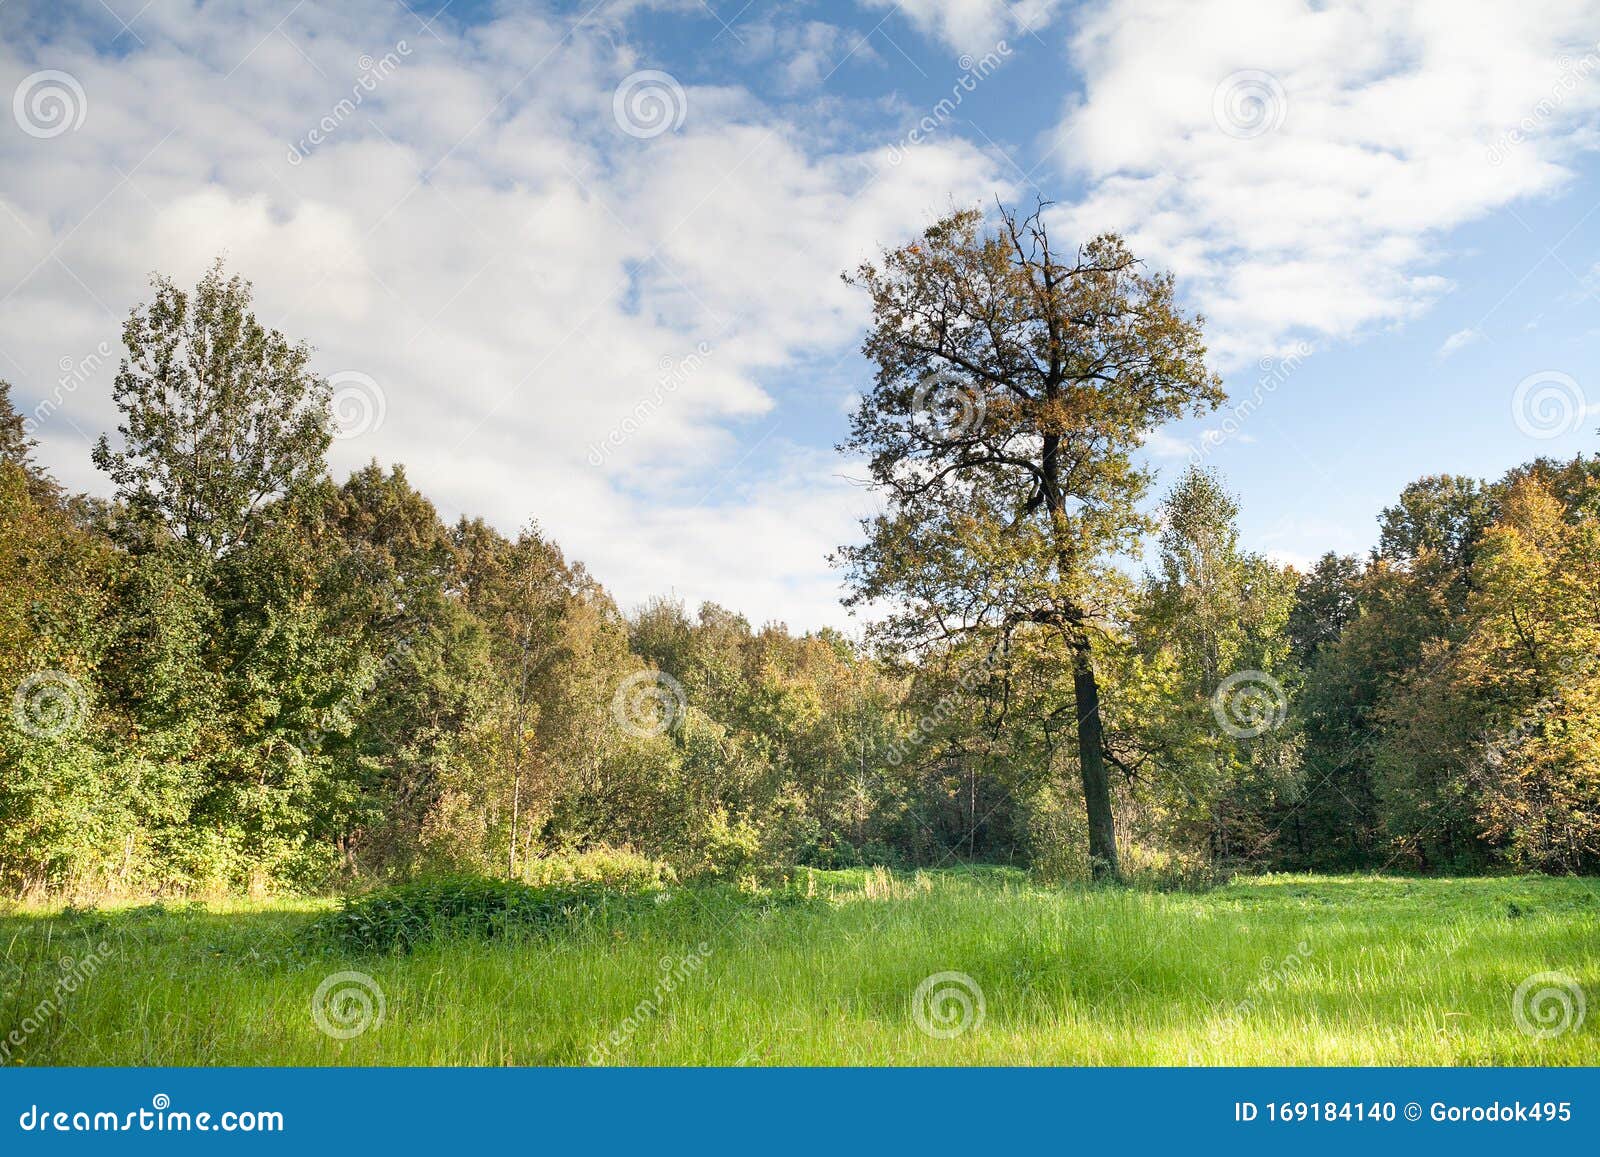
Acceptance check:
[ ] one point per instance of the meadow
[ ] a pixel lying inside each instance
(834, 969)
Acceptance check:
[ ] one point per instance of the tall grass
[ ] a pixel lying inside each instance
(1279, 970)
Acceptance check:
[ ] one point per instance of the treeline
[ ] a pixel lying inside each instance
(1432, 707)
(238, 674)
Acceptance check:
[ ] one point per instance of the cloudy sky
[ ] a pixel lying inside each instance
(579, 262)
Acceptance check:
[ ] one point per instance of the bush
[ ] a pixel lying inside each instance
(1162, 870)
(1058, 839)
(617, 867)
(402, 917)
(728, 847)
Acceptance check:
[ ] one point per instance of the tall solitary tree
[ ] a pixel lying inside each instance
(1013, 385)
(220, 414)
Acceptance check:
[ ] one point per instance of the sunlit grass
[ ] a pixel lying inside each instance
(1278, 970)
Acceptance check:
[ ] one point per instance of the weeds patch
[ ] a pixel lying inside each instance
(401, 917)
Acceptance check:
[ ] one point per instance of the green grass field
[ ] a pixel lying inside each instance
(1278, 970)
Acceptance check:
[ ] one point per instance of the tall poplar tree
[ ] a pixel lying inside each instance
(220, 415)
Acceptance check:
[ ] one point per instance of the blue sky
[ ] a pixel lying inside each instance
(579, 262)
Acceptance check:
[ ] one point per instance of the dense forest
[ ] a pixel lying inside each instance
(241, 673)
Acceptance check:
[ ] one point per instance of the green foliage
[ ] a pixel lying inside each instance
(620, 868)
(1013, 388)
(220, 414)
(402, 917)
(242, 677)
(1212, 618)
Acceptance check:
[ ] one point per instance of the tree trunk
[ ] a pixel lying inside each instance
(1091, 760)
(511, 844)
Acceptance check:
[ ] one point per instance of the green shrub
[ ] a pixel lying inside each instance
(729, 847)
(401, 917)
(617, 867)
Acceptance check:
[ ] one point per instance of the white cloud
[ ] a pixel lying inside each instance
(1458, 340)
(482, 239)
(1298, 164)
(806, 53)
(973, 25)
(1161, 444)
